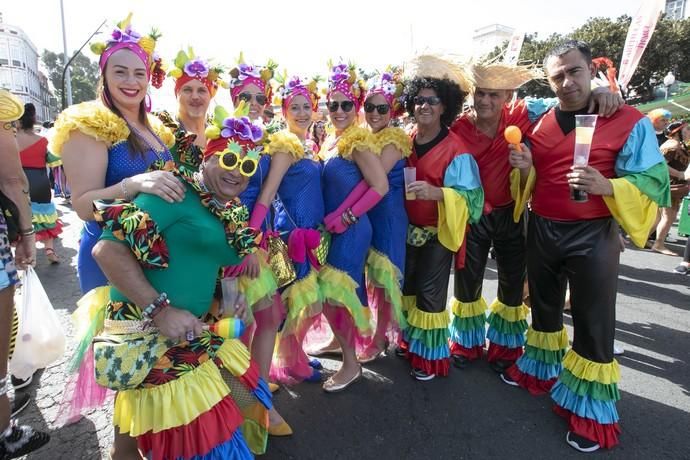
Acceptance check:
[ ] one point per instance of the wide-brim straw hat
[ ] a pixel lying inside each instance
(498, 75)
(437, 66)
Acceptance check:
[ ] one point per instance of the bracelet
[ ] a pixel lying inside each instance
(27, 231)
(123, 188)
(157, 306)
(4, 388)
(348, 218)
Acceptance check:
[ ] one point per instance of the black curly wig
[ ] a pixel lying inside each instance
(452, 97)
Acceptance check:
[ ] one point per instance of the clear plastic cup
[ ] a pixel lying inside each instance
(584, 132)
(410, 174)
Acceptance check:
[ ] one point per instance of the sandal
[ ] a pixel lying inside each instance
(52, 256)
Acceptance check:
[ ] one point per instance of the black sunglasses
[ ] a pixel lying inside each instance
(382, 109)
(347, 106)
(246, 97)
(431, 100)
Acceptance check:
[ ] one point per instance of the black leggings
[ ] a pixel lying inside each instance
(585, 254)
(509, 243)
(427, 272)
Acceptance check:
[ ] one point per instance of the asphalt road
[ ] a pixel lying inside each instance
(470, 414)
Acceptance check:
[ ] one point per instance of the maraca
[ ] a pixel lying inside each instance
(513, 136)
(228, 328)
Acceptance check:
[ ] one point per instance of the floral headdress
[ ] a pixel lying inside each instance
(389, 84)
(344, 79)
(124, 37)
(245, 74)
(295, 86)
(234, 133)
(189, 66)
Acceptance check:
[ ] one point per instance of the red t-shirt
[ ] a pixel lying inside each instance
(34, 156)
(491, 154)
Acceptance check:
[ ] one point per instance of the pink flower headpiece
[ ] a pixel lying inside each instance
(246, 74)
(296, 86)
(343, 79)
(390, 86)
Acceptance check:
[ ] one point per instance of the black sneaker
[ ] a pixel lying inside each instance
(400, 352)
(681, 269)
(19, 402)
(508, 381)
(421, 375)
(18, 383)
(460, 361)
(500, 366)
(22, 440)
(582, 444)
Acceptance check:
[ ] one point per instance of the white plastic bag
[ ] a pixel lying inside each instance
(40, 339)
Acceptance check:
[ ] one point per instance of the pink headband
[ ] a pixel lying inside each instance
(345, 88)
(299, 91)
(248, 80)
(133, 47)
(389, 97)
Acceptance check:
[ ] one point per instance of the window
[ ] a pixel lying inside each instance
(16, 63)
(4, 61)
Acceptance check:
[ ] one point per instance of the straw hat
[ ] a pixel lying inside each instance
(435, 66)
(498, 75)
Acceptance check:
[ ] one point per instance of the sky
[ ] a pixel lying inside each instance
(302, 35)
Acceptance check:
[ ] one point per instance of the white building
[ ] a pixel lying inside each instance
(677, 9)
(19, 71)
(489, 37)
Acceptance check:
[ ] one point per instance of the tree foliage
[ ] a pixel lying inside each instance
(667, 50)
(84, 75)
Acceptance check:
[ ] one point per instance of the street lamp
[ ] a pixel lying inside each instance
(65, 70)
(669, 80)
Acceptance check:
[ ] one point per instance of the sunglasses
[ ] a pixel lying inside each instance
(231, 160)
(382, 109)
(347, 106)
(259, 98)
(431, 100)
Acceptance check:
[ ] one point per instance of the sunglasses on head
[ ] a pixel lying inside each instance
(247, 97)
(347, 106)
(382, 109)
(431, 100)
(231, 160)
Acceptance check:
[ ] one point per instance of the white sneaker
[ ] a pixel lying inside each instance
(617, 351)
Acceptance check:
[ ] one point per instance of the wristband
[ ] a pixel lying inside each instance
(28, 232)
(156, 306)
(4, 388)
(123, 188)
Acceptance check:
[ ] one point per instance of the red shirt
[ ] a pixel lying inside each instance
(552, 155)
(491, 154)
(432, 168)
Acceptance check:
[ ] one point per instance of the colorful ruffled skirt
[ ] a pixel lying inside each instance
(45, 221)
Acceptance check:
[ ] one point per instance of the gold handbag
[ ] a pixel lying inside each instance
(280, 262)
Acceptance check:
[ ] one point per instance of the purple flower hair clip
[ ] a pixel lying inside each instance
(242, 128)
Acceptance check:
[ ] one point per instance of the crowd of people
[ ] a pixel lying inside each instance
(214, 246)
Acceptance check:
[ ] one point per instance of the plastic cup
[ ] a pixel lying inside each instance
(584, 132)
(410, 174)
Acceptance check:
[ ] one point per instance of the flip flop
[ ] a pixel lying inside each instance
(665, 251)
(52, 256)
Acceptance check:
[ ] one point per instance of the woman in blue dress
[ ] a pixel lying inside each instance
(108, 148)
(386, 259)
(354, 181)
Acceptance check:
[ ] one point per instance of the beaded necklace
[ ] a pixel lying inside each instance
(159, 153)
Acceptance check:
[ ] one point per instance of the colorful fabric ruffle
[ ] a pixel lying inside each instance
(520, 194)
(355, 138)
(540, 365)
(585, 394)
(393, 136)
(259, 291)
(339, 290)
(286, 142)
(426, 341)
(300, 298)
(185, 152)
(132, 225)
(185, 407)
(467, 330)
(382, 273)
(97, 121)
(506, 332)
(45, 221)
